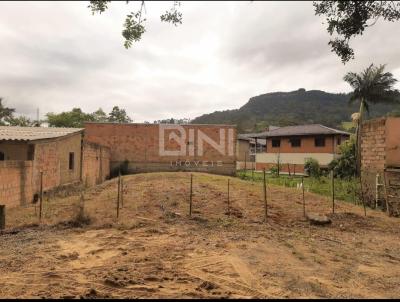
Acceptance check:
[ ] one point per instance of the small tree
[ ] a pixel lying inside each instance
(100, 116)
(23, 121)
(118, 115)
(5, 113)
(312, 168)
(346, 165)
(70, 119)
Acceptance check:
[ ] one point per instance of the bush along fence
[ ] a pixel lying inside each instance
(348, 189)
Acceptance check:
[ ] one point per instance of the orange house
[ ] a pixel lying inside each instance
(291, 146)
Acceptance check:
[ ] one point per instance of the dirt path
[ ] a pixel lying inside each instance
(155, 251)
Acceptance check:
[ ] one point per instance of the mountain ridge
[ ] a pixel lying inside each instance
(291, 108)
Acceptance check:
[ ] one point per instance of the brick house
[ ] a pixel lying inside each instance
(291, 146)
(380, 163)
(25, 152)
(166, 147)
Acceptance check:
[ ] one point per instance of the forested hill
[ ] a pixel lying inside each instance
(291, 108)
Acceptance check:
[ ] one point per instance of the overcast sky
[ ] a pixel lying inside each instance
(57, 56)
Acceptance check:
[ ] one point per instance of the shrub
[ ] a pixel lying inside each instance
(122, 167)
(345, 165)
(80, 218)
(312, 167)
(274, 171)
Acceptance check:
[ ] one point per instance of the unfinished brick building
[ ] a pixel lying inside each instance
(165, 147)
(380, 163)
(25, 152)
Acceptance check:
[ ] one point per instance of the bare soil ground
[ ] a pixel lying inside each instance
(154, 250)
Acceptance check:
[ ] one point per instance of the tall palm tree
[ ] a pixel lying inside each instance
(371, 86)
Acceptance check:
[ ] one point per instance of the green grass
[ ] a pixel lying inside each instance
(347, 190)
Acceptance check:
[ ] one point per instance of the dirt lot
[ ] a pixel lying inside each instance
(155, 250)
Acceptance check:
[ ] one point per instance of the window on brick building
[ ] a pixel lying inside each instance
(295, 142)
(276, 143)
(2, 157)
(31, 152)
(71, 160)
(320, 142)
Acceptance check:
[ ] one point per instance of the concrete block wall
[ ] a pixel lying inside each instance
(373, 145)
(16, 186)
(373, 156)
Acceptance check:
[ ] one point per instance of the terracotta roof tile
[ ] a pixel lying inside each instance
(313, 129)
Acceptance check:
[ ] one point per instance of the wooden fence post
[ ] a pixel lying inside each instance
(2, 217)
(252, 173)
(362, 196)
(229, 208)
(245, 164)
(304, 200)
(333, 192)
(265, 195)
(119, 192)
(82, 206)
(386, 193)
(122, 192)
(191, 195)
(41, 197)
(355, 192)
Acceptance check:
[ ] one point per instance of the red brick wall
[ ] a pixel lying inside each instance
(52, 157)
(96, 163)
(393, 142)
(14, 150)
(240, 165)
(307, 145)
(15, 183)
(139, 145)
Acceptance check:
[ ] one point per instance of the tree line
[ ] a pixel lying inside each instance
(70, 119)
(75, 118)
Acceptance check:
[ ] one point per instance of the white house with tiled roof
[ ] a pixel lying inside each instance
(291, 146)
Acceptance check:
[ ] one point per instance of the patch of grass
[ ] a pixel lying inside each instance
(345, 189)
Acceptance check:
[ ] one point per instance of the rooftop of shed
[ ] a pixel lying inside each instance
(14, 133)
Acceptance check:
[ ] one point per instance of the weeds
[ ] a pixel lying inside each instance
(345, 189)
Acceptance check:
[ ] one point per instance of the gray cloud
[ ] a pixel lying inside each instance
(57, 56)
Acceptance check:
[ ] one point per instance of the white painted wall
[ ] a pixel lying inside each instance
(294, 158)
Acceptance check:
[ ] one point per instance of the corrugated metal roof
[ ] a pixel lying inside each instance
(34, 133)
(250, 137)
(313, 129)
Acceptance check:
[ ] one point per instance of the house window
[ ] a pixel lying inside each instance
(276, 143)
(71, 160)
(339, 141)
(2, 157)
(320, 142)
(295, 142)
(31, 152)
